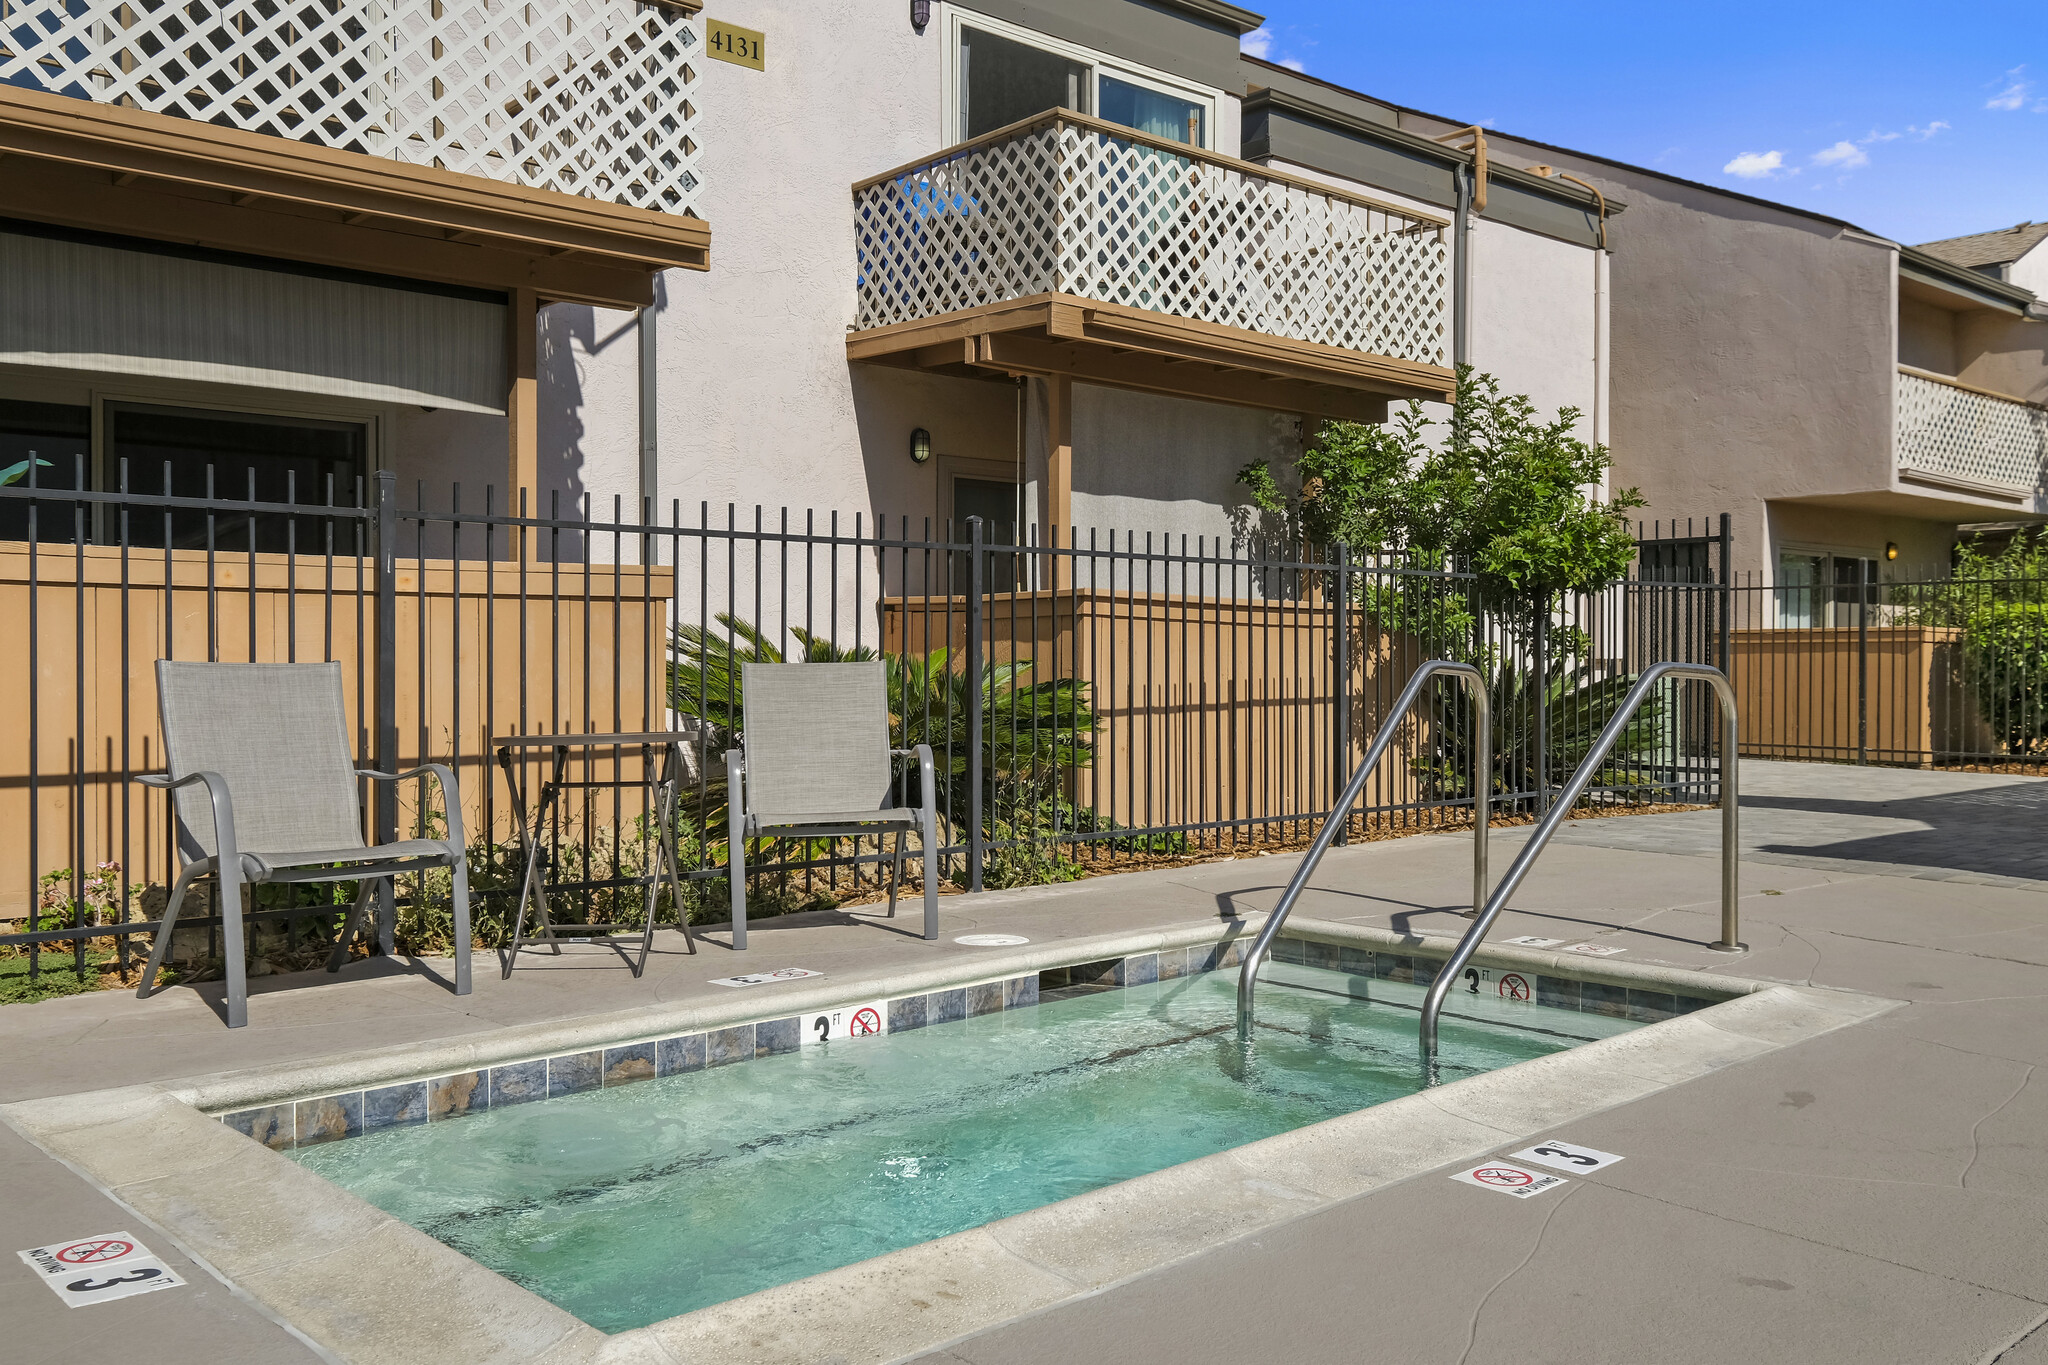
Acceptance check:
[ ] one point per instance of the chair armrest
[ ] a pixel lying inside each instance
(927, 780)
(227, 853)
(451, 807)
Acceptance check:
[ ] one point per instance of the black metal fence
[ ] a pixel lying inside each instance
(1854, 660)
(1097, 699)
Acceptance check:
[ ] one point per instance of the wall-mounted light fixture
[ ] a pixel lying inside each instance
(920, 445)
(920, 13)
(1891, 549)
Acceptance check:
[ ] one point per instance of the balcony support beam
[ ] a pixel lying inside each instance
(1129, 348)
(522, 394)
(1059, 456)
(80, 164)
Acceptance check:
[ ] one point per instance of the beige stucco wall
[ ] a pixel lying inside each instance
(1927, 336)
(2006, 354)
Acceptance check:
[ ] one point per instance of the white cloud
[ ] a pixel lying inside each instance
(1876, 136)
(1846, 155)
(1922, 134)
(1294, 64)
(1756, 165)
(1258, 43)
(2015, 93)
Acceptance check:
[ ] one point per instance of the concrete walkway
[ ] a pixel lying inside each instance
(1878, 1194)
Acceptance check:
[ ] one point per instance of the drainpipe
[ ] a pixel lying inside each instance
(650, 410)
(1461, 272)
(1599, 312)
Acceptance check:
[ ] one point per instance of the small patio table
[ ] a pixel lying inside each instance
(664, 762)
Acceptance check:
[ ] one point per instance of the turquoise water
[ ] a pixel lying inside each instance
(630, 1205)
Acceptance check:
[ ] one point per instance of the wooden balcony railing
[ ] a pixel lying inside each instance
(1066, 204)
(1953, 431)
(584, 97)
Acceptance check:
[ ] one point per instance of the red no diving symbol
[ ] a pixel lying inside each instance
(865, 1021)
(85, 1253)
(1507, 1177)
(1513, 986)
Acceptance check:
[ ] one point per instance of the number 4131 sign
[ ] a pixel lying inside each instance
(731, 43)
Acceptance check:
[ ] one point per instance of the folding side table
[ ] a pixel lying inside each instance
(664, 762)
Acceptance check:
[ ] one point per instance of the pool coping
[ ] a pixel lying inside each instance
(371, 1288)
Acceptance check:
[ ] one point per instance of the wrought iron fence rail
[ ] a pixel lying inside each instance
(1123, 696)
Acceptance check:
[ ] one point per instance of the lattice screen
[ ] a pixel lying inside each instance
(1946, 430)
(588, 97)
(1069, 208)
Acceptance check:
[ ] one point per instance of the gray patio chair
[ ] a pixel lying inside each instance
(815, 763)
(265, 791)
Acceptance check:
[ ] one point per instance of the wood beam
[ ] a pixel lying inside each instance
(522, 396)
(1059, 458)
(1015, 353)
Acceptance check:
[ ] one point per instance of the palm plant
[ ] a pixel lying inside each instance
(1575, 707)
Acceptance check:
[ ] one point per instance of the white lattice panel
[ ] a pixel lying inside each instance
(588, 97)
(1951, 431)
(1069, 208)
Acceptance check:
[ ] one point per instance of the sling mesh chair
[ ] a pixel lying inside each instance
(815, 763)
(265, 791)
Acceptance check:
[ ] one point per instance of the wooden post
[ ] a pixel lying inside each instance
(522, 396)
(1059, 466)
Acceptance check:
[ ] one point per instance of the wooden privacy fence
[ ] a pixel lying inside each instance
(480, 648)
(1212, 712)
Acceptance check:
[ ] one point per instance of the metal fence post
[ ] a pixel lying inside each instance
(1727, 595)
(975, 723)
(1862, 661)
(1540, 697)
(1340, 689)
(384, 702)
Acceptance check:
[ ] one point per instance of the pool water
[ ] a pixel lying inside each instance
(629, 1205)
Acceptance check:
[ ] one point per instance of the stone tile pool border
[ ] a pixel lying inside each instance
(318, 1258)
(318, 1119)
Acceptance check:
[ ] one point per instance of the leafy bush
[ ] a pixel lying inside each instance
(1576, 706)
(2005, 659)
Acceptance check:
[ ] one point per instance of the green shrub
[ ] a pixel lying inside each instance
(2005, 658)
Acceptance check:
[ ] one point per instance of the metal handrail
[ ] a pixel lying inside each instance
(1568, 796)
(1482, 772)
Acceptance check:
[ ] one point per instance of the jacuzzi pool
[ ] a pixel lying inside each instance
(633, 1203)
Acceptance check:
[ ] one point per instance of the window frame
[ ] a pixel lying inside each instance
(1098, 64)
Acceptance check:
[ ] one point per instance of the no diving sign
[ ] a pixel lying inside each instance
(855, 1021)
(1502, 1178)
(100, 1269)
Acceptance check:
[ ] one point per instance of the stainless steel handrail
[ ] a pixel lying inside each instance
(1482, 781)
(1568, 796)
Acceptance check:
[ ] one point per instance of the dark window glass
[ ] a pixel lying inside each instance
(1163, 116)
(995, 502)
(192, 453)
(1003, 81)
(58, 439)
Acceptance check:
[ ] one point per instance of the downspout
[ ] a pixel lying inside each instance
(1599, 313)
(650, 415)
(1471, 197)
(1461, 271)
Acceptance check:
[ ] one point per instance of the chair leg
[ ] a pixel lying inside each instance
(351, 926)
(931, 875)
(896, 872)
(162, 947)
(736, 846)
(231, 946)
(465, 946)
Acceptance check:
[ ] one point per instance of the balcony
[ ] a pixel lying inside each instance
(1970, 440)
(1065, 245)
(550, 129)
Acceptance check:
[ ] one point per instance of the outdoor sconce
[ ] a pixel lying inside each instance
(1891, 549)
(920, 445)
(920, 13)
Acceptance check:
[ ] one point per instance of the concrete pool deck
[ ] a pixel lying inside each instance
(1873, 1194)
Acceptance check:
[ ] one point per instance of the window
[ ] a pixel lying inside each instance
(282, 459)
(1003, 74)
(153, 450)
(1816, 588)
(49, 445)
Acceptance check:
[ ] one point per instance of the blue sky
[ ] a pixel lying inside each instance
(1915, 122)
